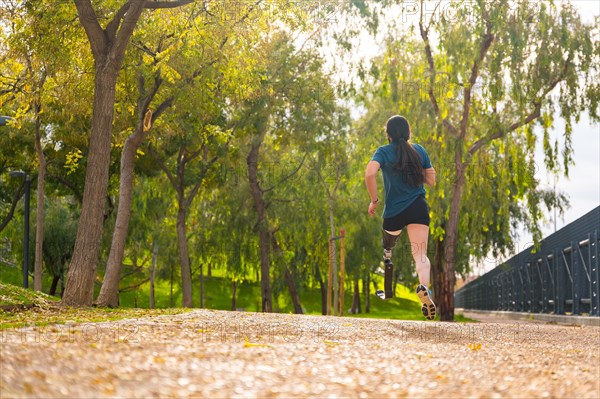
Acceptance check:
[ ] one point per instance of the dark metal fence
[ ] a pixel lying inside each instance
(562, 277)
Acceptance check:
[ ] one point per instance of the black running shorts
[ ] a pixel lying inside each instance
(416, 213)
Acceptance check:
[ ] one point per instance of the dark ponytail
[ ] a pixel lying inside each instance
(409, 162)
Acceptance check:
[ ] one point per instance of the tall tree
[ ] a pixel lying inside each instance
(108, 45)
(32, 64)
(294, 106)
(169, 49)
(474, 95)
(506, 74)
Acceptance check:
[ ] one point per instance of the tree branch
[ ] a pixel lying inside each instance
(69, 185)
(126, 27)
(432, 73)
(113, 25)
(162, 107)
(530, 117)
(194, 190)
(154, 5)
(134, 286)
(193, 155)
(502, 132)
(92, 27)
(16, 197)
(484, 47)
(142, 47)
(161, 164)
(242, 19)
(321, 178)
(288, 176)
(145, 104)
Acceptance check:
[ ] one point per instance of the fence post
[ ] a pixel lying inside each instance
(559, 301)
(575, 272)
(519, 283)
(544, 276)
(595, 276)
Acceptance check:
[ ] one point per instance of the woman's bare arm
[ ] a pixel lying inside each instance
(429, 176)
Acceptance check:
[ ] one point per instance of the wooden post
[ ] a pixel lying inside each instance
(336, 279)
(342, 271)
(330, 277)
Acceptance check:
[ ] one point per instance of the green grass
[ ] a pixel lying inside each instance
(49, 315)
(11, 275)
(12, 295)
(47, 310)
(218, 291)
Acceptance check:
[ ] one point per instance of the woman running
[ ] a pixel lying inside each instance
(405, 167)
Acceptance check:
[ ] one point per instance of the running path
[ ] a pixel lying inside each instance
(218, 354)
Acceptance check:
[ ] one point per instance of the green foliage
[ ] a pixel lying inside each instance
(11, 274)
(218, 81)
(539, 56)
(59, 237)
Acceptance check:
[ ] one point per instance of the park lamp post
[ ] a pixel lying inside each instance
(20, 173)
(4, 120)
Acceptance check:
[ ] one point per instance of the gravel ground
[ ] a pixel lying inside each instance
(218, 354)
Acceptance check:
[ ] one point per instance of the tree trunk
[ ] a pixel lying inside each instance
(109, 292)
(356, 297)
(184, 260)
(202, 285)
(264, 239)
(323, 290)
(108, 48)
(367, 291)
(171, 304)
(289, 278)
(39, 225)
(233, 292)
(265, 270)
(153, 273)
(82, 271)
(437, 274)
(335, 271)
(446, 297)
(183, 205)
(54, 285)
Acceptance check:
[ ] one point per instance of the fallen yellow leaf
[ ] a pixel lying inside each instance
(474, 346)
(249, 344)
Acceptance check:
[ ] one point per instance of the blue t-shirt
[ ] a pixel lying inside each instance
(398, 194)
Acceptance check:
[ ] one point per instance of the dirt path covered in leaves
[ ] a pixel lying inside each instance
(218, 354)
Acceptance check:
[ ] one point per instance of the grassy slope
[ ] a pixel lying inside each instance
(218, 288)
(11, 295)
(218, 293)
